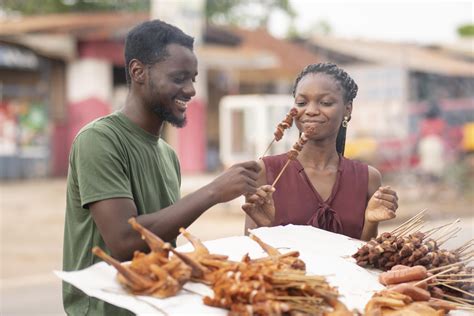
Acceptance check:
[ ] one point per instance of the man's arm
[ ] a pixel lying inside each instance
(111, 215)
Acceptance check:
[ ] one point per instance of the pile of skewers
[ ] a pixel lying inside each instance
(272, 285)
(407, 246)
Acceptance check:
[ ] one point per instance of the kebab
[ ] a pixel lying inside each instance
(413, 258)
(286, 123)
(295, 150)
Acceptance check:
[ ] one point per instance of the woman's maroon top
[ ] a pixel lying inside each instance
(298, 202)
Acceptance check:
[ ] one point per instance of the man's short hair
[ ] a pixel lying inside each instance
(147, 42)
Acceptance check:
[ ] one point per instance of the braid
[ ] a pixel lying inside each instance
(346, 82)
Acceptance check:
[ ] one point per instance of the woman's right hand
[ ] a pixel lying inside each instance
(259, 206)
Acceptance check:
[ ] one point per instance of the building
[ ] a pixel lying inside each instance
(398, 84)
(86, 50)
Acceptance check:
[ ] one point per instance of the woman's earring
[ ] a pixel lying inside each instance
(345, 121)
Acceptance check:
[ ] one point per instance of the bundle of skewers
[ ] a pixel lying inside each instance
(418, 264)
(272, 285)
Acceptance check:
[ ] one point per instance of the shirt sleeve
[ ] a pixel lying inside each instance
(101, 167)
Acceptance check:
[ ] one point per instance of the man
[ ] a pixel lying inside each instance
(119, 167)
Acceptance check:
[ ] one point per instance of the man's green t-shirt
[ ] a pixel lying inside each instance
(111, 158)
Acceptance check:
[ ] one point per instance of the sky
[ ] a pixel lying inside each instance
(421, 21)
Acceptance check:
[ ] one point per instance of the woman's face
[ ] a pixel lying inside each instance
(319, 99)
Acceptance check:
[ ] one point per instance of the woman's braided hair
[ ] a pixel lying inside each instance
(347, 83)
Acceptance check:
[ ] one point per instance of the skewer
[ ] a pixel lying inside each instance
(286, 123)
(432, 277)
(447, 281)
(449, 234)
(458, 289)
(448, 227)
(294, 151)
(456, 303)
(268, 148)
(468, 255)
(459, 299)
(281, 172)
(435, 230)
(465, 246)
(416, 228)
(411, 227)
(457, 275)
(420, 214)
(449, 265)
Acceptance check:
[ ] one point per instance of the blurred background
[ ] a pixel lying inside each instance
(62, 65)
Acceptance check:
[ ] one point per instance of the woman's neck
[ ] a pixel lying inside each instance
(319, 156)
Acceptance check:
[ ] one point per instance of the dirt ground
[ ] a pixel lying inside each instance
(32, 217)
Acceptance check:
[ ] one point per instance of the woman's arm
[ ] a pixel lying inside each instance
(381, 206)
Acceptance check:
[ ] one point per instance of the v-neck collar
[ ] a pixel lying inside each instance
(335, 187)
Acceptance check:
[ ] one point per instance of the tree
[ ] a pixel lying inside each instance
(248, 13)
(466, 30)
(34, 7)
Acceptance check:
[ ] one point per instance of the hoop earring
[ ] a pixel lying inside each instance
(345, 121)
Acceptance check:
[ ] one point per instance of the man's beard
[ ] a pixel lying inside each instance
(167, 116)
(164, 113)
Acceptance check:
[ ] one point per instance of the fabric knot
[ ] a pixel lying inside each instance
(326, 218)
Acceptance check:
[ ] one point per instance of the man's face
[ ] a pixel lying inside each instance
(170, 84)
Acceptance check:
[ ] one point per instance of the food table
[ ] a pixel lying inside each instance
(324, 253)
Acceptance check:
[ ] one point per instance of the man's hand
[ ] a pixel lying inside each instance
(259, 206)
(240, 179)
(382, 205)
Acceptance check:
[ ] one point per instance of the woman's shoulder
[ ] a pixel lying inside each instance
(355, 164)
(275, 161)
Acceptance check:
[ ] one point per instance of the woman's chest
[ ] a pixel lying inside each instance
(323, 182)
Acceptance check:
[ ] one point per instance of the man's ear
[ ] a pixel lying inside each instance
(137, 71)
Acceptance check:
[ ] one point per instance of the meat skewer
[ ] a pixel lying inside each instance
(285, 124)
(294, 151)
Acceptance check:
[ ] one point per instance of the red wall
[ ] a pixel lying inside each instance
(192, 146)
(79, 114)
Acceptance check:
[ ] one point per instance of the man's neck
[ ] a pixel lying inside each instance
(139, 114)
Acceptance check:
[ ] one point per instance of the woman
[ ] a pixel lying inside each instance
(321, 187)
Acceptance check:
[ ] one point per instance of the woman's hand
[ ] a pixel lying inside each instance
(382, 205)
(259, 206)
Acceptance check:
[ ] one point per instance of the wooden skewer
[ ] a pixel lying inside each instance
(419, 215)
(416, 228)
(447, 281)
(457, 220)
(432, 277)
(465, 246)
(432, 231)
(457, 304)
(281, 172)
(467, 255)
(459, 299)
(440, 240)
(459, 290)
(410, 228)
(457, 275)
(449, 265)
(268, 148)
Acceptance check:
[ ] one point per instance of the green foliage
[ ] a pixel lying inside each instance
(466, 30)
(246, 12)
(34, 7)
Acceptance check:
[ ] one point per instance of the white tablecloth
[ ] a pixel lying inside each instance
(324, 253)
